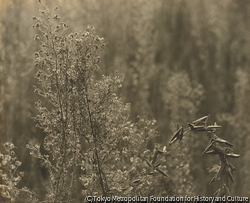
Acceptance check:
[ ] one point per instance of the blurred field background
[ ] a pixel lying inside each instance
(181, 60)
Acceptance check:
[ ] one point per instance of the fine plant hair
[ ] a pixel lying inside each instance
(89, 137)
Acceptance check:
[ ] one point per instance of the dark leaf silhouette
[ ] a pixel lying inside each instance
(178, 135)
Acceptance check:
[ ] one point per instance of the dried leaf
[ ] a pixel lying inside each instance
(149, 164)
(230, 175)
(233, 155)
(232, 167)
(196, 128)
(214, 169)
(157, 164)
(161, 172)
(227, 189)
(154, 158)
(202, 120)
(222, 167)
(178, 126)
(137, 181)
(213, 128)
(217, 193)
(223, 141)
(208, 146)
(160, 152)
(211, 152)
(178, 135)
(213, 179)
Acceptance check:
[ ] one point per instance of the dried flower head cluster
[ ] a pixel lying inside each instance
(87, 125)
(10, 176)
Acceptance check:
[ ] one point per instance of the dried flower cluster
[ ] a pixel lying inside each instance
(10, 176)
(87, 125)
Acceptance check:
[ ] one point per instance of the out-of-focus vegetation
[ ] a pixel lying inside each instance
(181, 60)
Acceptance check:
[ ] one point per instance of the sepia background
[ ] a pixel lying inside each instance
(181, 60)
